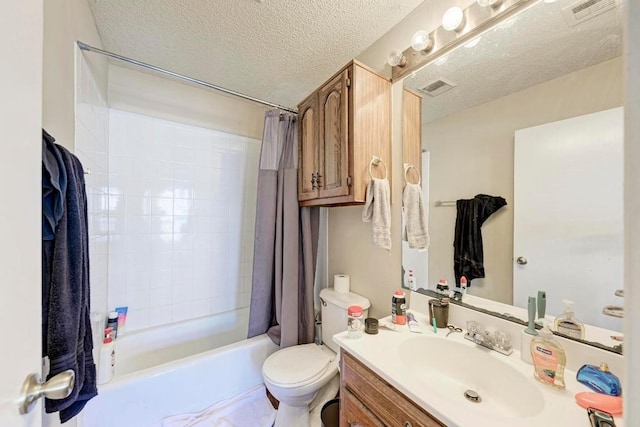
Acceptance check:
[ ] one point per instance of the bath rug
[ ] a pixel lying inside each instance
(248, 409)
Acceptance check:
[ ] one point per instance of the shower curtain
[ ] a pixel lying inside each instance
(285, 242)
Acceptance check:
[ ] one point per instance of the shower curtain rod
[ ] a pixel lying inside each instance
(86, 47)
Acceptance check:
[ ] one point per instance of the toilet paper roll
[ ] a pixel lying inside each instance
(341, 283)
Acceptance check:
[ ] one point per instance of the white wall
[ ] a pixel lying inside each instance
(165, 98)
(65, 22)
(475, 146)
(181, 219)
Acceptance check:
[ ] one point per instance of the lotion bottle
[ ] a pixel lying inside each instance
(549, 359)
(567, 324)
(107, 362)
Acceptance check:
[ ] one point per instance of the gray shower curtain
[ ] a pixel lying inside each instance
(285, 242)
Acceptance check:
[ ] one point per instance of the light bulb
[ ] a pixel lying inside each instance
(396, 58)
(509, 23)
(489, 3)
(442, 60)
(421, 41)
(453, 19)
(473, 42)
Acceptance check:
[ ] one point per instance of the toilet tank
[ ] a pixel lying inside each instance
(334, 313)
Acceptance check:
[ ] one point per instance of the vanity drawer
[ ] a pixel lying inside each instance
(380, 398)
(355, 414)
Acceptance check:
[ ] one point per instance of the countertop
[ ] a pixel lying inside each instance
(379, 353)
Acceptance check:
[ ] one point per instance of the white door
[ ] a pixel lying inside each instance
(568, 214)
(20, 217)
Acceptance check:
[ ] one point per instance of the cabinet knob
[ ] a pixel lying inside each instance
(407, 424)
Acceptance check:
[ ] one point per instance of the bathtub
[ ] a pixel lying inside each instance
(155, 346)
(142, 397)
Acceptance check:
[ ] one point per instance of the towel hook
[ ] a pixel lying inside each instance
(407, 167)
(375, 160)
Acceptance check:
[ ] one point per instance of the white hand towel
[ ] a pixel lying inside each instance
(415, 217)
(377, 210)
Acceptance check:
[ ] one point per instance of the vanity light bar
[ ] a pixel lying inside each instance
(477, 21)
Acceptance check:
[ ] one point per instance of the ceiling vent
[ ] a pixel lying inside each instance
(584, 10)
(438, 87)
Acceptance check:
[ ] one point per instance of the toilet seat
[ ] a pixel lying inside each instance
(297, 366)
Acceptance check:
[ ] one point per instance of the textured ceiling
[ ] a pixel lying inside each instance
(538, 47)
(276, 50)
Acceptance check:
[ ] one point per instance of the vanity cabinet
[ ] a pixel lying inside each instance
(366, 400)
(342, 125)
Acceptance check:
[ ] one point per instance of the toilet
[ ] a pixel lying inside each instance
(303, 376)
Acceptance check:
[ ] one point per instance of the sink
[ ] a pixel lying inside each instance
(451, 368)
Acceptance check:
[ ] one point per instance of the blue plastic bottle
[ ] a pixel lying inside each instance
(599, 379)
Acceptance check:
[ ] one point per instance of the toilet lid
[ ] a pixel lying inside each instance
(296, 365)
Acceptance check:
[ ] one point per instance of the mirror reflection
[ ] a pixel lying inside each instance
(529, 112)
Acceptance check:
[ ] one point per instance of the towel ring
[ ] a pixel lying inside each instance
(375, 160)
(407, 167)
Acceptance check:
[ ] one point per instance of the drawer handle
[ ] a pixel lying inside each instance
(407, 424)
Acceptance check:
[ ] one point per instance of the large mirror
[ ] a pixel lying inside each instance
(530, 112)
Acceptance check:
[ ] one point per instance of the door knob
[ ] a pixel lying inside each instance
(58, 387)
(521, 260)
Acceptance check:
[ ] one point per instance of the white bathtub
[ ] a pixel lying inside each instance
(143, 397)
(151, 347)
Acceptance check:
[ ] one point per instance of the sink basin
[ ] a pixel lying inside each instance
(450, 368)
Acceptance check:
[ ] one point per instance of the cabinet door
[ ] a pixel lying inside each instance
(308, 148)
(383, 401)
(411, 136)
(334, 137)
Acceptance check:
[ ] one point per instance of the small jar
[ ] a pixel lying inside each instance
(355, 321)
(371, 325)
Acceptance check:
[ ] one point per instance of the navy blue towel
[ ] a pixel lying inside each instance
(66, 319)
(468, 253)
(54, 186)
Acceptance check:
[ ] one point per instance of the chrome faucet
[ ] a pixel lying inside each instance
(499, 341)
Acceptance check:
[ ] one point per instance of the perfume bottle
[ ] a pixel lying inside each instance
(599, 379)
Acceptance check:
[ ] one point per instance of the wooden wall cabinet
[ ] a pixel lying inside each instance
(366, 400)
(411, 135)
(342, 125)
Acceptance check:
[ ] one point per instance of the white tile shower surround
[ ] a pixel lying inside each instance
(181, 218)
(91, 147)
